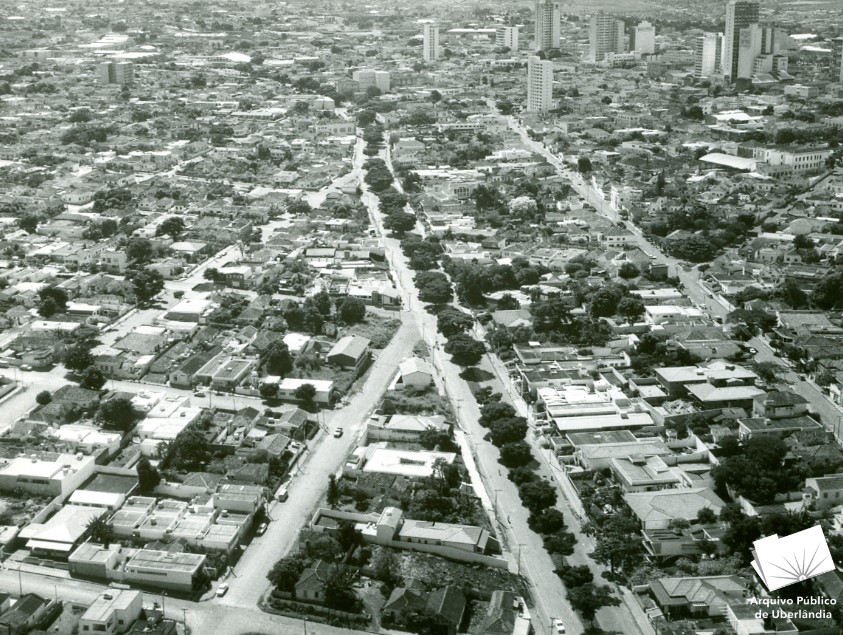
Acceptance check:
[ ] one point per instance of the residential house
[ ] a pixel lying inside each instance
(351, 351)
(414, 373)
(311, 583)
(113, 612)
(704, 596)
(655, 510)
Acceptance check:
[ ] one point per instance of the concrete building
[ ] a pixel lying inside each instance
(112, 612)
(368, 77)
(114, 72)
(708, 50)
(606, 35)
(430, 43)
(644, 38)
(837, 59)
(739, 15)
(163, 569)
(46, 474)
(507, 37)
(548, 24)
(539, 84)
(758, 46)
(351, 351)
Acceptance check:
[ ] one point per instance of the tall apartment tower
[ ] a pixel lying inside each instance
(548, 25)
(837, 60)
(539, 84)
(644, 38)
(114, 72)
(756, 42)
(507, 36)
(739, 15)
(431, 42)
(606, 35)
(708, 49)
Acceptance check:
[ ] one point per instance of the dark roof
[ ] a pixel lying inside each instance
(352, 346)
(500, 616)
(448, 603)
(112, 483)
(781, 398)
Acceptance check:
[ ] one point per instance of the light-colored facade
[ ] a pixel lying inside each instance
(539, 84)
(112, 612)
(837, 59)
(606, 35)
(757, 48)
(548, 24)
(46, 475)
(507, 36)
(430, 43)
(708, 49)
(739, 15)
(644, 38)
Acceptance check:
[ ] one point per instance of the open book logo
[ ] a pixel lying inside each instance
(780, 562)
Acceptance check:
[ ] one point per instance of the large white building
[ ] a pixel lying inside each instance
(539, 84)
(507, 37)
(739, 15)
(708, 49)
(606, 35)
(757, 46)
(368, 77)
(548, 24)
(430, 44)
(644, 38)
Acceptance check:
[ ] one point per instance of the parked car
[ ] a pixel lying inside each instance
(337, 432)
(261, 530)
(558, 625)
(222, 589)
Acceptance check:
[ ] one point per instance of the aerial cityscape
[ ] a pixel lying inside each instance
(437, 318)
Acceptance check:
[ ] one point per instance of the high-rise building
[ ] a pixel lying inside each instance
(539, 84)
(114, 72)
(507, 36)
(644, 39)
(739, 15)
(606, 35)
(755, 42)
(837, 60)
(708, 49)
(548, 24)
(368, 77)
(431, 42)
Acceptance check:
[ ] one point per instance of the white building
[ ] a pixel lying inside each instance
(708, 49)
(539, 84)
(113, 612)
(368, 77)
(507, 37)
(164, 569)
(644, 38)
(606, 35)
(548, 24)
(430, 36)
(47, 474)
(756, 42)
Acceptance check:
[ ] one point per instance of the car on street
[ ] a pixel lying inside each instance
(222, 589)
(753, 351)
(337, 432)
(261, 530)
(198, 393)
(25, 367)
(558, 625)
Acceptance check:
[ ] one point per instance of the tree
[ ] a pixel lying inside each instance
(117, 413)
(629, 270)
(146, 283)
(399, 222)
(509, 430)
(537, 495)
(630, 308)
(139, 249)
(189, 450)
(100, 530)
(515, 454)
(276, 359)
(494, 411)
(351, 310)
(92, 378)
(561, 542)
(78, 358)
(28, 223)
(433, 287)
(464, 350)
(588, 598)
(547, 521)
(584, 165)
(828, 292)
(173, 227)
(339, 588)
(285, 573)
(306, 393)
(348, 536)
(574, 576)
(617, 543)
(451, 322)
(604, 301)
(312, 320)
(148, 476)
(212, 274)
(332, 496)
(52, 300)
(269, 390)
(43, 398)
(47, 308)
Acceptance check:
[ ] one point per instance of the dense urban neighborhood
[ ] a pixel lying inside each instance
(475, 318)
